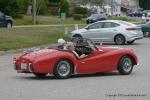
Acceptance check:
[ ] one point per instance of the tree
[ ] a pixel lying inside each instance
(10, 7)
(64, 7)
(145, 4)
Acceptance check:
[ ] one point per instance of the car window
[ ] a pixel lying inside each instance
(96, 26)
(1, 16)
(110, 25)
(126, 23)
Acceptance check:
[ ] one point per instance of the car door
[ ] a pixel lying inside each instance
(93, 31)
(109, 29)
(93, 63)
(2, 19)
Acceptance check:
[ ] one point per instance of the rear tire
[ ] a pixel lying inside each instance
(119, 40)
(125, 66)
(63, 69)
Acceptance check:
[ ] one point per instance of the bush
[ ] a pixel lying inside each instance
(64, 7)
(80, 10)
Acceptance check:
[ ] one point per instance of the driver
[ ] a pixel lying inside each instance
(71, 47)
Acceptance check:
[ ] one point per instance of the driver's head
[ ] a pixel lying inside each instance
(71, 46)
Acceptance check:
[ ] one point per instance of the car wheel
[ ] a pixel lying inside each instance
(63, 69)
(9, 25)
(40, 75)
(146, 34)
(119, 40)
(130, 42)
(125, 65)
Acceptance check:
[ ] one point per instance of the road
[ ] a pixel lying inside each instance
(103, 86)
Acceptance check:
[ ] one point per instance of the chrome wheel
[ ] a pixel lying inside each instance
(125, 65)
(63, 69)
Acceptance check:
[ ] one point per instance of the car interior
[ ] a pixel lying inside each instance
(83, 47)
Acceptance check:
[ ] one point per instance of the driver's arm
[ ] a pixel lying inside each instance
(79, 57)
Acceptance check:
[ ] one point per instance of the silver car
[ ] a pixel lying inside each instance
(109, 31)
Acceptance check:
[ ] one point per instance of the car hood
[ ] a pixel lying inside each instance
(9, 17)
(79, 31)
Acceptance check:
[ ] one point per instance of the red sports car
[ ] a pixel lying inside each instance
(63, 63)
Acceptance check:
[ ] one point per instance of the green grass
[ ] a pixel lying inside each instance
(28, 37)
(46, 20)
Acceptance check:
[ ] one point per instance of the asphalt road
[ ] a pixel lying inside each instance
(103, 86)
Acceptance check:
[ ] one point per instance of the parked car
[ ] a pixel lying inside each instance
(109, 31)
(94, 18)
(146, 29)
(63, 63)
(5, 21)
(136, 14)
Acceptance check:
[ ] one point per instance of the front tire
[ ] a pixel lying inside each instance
(63, 69)
(125, 66)
(119, 40)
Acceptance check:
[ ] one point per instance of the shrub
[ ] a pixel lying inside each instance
(80, 10)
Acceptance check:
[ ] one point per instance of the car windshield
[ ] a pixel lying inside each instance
(84, 42)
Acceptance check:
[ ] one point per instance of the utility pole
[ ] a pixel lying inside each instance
(34, 11)
(112, 7)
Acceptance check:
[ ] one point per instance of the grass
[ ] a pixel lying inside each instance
(28, 37)
(46, 20)
(16, 38)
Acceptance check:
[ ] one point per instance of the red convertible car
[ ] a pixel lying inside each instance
(63, 63)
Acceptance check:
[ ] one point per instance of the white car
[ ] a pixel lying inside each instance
(109, 31)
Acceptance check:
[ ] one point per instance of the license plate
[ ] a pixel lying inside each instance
(23, 66)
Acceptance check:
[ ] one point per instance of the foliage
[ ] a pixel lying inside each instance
(10, 7)
(144, 4)
(64, 7)
(42, 8)
(80, 10)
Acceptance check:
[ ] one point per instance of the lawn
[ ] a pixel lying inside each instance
(46, 20)
(27, 37)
